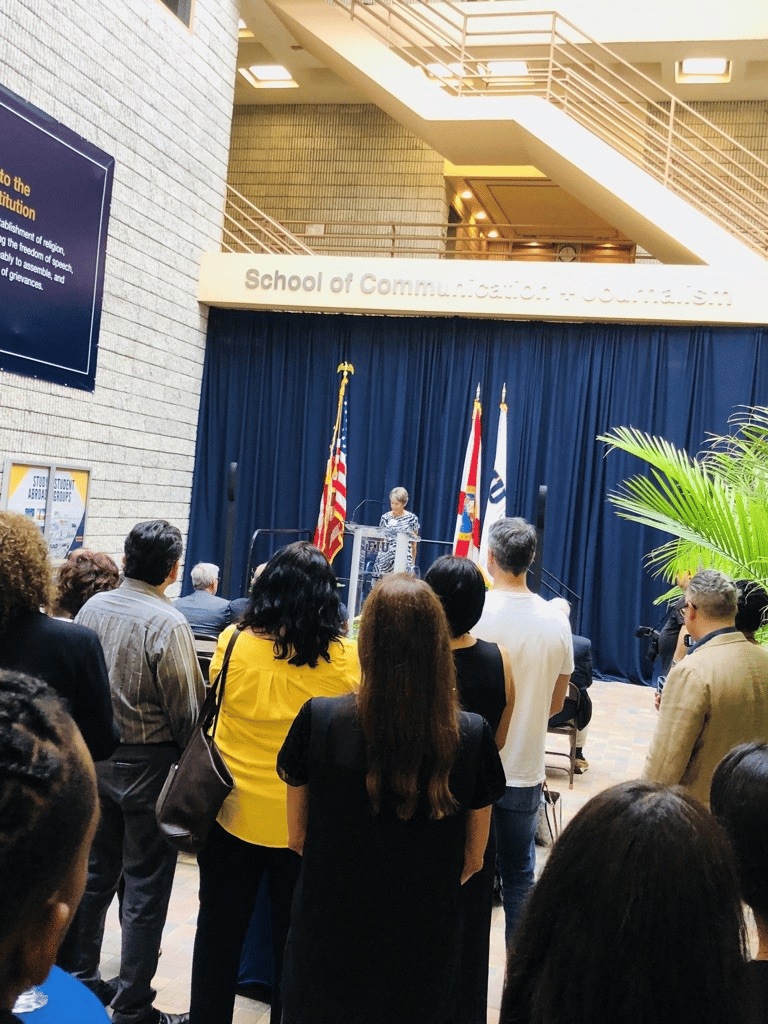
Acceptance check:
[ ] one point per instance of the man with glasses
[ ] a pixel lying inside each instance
(716, 697)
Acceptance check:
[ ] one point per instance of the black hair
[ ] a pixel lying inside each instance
(47, 796)
(513, 544)
(461, 588)
(753, 603)
(636, 918)
(152, 549)
(739, 800)
(296, 602)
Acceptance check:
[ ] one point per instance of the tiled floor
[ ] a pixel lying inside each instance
(619, 734)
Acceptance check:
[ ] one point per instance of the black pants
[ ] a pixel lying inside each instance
(230, 873)
(128, 843)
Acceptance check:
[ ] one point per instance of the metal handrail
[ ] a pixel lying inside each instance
(606, 94)
(436, 239)
(258, 228)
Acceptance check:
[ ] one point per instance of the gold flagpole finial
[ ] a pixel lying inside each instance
(345, 368)
(503, 393)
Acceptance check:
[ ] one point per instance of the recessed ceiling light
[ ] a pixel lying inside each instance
(481, 215)
(466, 194)
(493, 234)
(256, 83)
(445, 70)
(703, 69)
(507, 68)
(270, 72)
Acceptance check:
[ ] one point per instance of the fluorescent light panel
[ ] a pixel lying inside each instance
(703, 69)
(507, 68)
(270, 72)
(268, 83)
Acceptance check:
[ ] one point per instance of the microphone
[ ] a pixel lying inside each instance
(365, 501)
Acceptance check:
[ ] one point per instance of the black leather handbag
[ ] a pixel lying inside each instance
(199, 782)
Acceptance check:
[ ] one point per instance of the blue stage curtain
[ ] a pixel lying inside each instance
(269, 400)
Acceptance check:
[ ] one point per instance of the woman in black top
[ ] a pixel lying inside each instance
(389, 799)
(484, 681)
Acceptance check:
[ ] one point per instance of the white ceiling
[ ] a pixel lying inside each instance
(652, 35)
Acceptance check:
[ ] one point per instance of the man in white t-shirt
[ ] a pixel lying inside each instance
(538, 639)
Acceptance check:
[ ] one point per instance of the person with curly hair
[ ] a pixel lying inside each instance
(66, 656)
(84, 574)
(49, 813)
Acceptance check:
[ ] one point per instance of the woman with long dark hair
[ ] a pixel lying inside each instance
(389, 799)
(739, 800)
(636, 918)
(290, 648)
(485, 686)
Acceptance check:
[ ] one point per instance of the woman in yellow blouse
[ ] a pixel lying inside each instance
(290, 649)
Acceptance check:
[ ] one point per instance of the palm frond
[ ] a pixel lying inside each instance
(715, 507)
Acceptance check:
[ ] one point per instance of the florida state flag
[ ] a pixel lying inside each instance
(329, 534)
(466, 539)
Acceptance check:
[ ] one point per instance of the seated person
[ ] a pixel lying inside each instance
(48, 815)
(578, 712)
(207, 614)
(739, 800)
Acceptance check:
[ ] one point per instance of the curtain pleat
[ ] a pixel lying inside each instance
(269, 401)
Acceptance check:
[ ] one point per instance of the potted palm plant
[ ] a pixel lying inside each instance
(714, 504)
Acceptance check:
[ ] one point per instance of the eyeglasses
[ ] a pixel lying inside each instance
(689, 604)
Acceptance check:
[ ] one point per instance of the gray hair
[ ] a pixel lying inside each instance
(713, 594)
(513, 544)
(399, 494)
(204, 574)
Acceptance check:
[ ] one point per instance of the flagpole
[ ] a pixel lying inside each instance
(496, 502)
(345, 369)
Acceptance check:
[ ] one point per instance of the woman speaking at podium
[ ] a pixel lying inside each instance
(396, 521)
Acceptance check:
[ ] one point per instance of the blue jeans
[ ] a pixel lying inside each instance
(514, 816)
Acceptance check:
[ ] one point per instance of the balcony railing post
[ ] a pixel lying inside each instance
(551, 60)
(670, 136)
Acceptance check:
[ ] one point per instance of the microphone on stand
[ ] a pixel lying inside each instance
(357, 508)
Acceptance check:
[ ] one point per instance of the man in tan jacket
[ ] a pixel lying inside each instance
(716, 697)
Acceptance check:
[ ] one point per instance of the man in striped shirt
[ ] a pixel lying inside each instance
(157, 689)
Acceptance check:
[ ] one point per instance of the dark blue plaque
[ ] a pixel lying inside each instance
(55, 191)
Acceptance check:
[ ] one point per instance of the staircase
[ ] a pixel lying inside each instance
(499, 86)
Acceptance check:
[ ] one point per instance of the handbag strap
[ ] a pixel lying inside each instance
(217, 688)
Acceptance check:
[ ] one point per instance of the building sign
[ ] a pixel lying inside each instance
(56, 497)
(55, 191)
(514, 290)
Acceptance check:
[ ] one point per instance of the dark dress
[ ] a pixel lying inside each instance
(757, 974)
(480, 682)
(375, 921)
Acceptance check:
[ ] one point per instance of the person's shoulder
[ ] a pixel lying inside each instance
(68, 633)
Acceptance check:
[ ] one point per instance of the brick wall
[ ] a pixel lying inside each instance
(334, 163)
(133, 80)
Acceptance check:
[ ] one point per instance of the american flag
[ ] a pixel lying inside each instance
(329, 535)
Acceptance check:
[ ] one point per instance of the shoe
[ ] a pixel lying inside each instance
(105, 991)
(580, 766)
